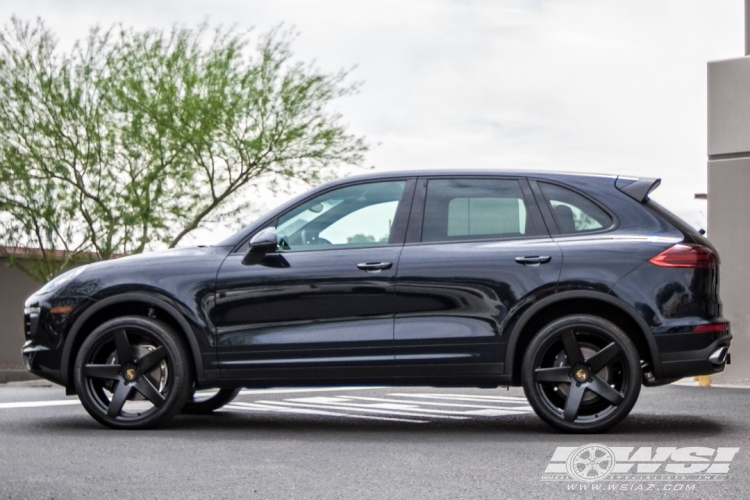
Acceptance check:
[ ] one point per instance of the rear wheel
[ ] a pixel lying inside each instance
(133, 373)
(581, 374)
(204, 402)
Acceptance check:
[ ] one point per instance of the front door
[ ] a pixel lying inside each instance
(322, 306)
(477, 251)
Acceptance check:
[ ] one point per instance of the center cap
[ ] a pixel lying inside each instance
(130, 374)
(581, 374)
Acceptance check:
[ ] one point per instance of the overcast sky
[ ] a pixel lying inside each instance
(616, 87)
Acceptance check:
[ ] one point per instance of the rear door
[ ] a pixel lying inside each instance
(476, 249)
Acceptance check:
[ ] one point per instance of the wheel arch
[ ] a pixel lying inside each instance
(579, 302)
(124, 304)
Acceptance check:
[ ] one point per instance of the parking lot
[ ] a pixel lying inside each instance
(348, 443)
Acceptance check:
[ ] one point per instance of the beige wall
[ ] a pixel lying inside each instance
(728, 106)
(15, 287)
(729, 200)
(729, 230)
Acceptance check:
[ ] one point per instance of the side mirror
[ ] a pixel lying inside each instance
(261, 244)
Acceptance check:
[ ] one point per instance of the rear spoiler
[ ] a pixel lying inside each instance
(638, 189)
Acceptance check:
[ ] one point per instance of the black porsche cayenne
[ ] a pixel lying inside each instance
(578, 287)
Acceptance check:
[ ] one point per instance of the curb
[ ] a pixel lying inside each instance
(15, 374)
(689, 382)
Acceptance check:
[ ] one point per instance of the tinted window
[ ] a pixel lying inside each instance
(359, 215)
(459, 209)
(572, 212)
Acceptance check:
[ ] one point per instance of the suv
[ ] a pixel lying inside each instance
(577, 287)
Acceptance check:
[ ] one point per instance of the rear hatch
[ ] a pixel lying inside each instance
(695, 254)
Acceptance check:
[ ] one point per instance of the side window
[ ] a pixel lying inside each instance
(460, 209)
(359, 215)
(572, 212)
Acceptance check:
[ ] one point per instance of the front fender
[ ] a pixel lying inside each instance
(145, 298)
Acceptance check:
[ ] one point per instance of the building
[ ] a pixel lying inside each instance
(728, 200)
(15, 287)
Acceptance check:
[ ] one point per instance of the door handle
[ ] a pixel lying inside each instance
(374, 267)
(533, 261)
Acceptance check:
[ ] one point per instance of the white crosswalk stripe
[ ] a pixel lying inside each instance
(417, 408)
(350, 402)
(245, 392)
(465, 397)
(343, 405)
(39, 404)
(522, 408)
(307, 411)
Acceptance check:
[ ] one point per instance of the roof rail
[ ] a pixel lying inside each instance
(638, 189)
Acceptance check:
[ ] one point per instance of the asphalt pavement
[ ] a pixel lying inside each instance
(377, 442)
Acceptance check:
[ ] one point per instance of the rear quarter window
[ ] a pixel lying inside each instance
(572, 212)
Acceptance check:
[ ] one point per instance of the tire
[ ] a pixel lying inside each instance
(205, 405)
(133, 373)
(581, 374)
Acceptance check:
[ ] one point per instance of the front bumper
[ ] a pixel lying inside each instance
(44, 337)
(44, 364)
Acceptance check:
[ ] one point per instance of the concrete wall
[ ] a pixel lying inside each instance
(729, 230)
(15, 287)
(729, 200)
(729, 106)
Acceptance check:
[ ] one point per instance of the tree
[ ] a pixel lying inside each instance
(133, 139)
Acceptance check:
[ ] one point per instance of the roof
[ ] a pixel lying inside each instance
(473, 172)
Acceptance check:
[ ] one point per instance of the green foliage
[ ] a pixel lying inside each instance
(133, 139)
(361, 238)
(366, 238)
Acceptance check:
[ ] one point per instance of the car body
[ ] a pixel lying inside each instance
(447, 294)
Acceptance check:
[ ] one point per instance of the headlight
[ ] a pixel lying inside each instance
(61, 280)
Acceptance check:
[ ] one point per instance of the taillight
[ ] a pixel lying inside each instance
(712, 327)
(685, 255)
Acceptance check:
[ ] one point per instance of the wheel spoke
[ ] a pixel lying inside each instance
(603, 357)
(118, 399)
(552, 375)
(573, 403)
(124, 351)
(145, 387)
(109, 372)
(152, 358)
(599, 469)
(572, 349)
(603, 389)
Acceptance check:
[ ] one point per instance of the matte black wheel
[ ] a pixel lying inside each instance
(204, 402)
(133, 373)
(581, 374)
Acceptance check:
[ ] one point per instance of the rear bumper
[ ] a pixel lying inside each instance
(681, 364)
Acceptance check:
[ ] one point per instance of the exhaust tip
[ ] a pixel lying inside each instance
(719, 356)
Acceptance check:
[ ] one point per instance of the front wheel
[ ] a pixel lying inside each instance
(581, 374)
(133, 373)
